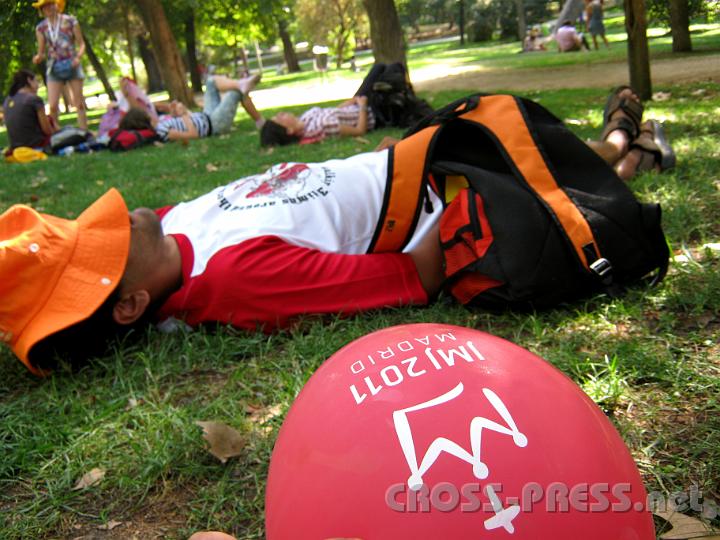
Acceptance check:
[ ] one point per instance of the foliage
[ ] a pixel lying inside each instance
(18, 45)
(485, 16)
(332, 22)
(659, 10)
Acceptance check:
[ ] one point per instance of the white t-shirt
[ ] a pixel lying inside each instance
(333, 206)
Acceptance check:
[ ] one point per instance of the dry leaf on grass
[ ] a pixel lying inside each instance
(225, 442)
(686, 528)
(90, 479)
(110, 525)
(261, 415)
(211, 168)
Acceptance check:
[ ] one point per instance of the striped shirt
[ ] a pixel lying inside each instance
(201, 121)
(325, 122)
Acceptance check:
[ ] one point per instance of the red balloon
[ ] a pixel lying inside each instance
(430, 431)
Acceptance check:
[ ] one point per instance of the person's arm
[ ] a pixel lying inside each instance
(361, 127)
(588, 12)
(387, 142)
(79, 44)
(48, 128)
(268, 282)
(40, 56)
(428, 259)
(180, 111)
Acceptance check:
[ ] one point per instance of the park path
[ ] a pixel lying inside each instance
(681, 69)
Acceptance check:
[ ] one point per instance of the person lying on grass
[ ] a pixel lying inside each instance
(260, 252)
(217, 116)
(351, 118)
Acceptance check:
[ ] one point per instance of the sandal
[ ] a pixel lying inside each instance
(655, 148)
(632, 108)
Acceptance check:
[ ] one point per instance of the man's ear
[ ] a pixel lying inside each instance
(131, 306)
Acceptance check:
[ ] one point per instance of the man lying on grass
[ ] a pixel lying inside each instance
(256, 253)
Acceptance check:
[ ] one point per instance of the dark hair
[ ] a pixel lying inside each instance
(89, 338)
(567, 22)
(136, 119)
(272, 134)
(21, 79)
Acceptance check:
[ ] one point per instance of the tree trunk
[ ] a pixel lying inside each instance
(522, 24)
(638, 54)
(99, 69)
(680, 25)
(242, 53)
(461, 21)
(571, 10)
(191, 52)
(128, 37)
(166, 49)
(258, 55)
(388, 43)
(291, 60)
(154, 78)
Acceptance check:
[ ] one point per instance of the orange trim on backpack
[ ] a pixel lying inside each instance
(405, 182)
(503, 117)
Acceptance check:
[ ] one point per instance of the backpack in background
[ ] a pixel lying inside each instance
(122, 140)
(534, 217)
(69, 136)
(393, 100)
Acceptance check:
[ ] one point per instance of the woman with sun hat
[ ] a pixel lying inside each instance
(60, 39)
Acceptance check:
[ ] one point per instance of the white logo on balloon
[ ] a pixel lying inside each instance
(503, 516)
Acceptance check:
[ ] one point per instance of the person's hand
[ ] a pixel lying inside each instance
(387, 142)
(361, 100)
(75, 62)
(37, 59)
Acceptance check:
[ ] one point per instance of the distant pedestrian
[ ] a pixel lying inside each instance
(60, 40)
(594, 21)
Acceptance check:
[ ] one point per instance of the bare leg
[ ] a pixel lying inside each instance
(225, 84)
(54, 92)
(617, 143)
(76, 90)
(627, 167)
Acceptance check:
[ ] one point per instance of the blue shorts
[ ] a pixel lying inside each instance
(77, 74)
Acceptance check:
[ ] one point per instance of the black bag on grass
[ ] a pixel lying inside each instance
(534, 217)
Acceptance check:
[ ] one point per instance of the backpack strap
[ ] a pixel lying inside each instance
(502, 115)
(403, 192)
(408, 165)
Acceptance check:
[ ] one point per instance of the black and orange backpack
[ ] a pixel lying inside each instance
(538, 219)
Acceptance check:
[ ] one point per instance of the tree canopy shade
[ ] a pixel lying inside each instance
(388, 41)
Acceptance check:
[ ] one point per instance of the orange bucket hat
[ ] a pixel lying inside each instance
(56, 272)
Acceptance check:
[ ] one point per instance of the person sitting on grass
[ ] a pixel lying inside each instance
(218, 113)
(24, 112)
(534, 41)
(260, 252)
(569, 39)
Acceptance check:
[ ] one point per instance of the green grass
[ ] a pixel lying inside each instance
(650, 359)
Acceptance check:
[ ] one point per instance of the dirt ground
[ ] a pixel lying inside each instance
(673, 70)
(684, 68)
